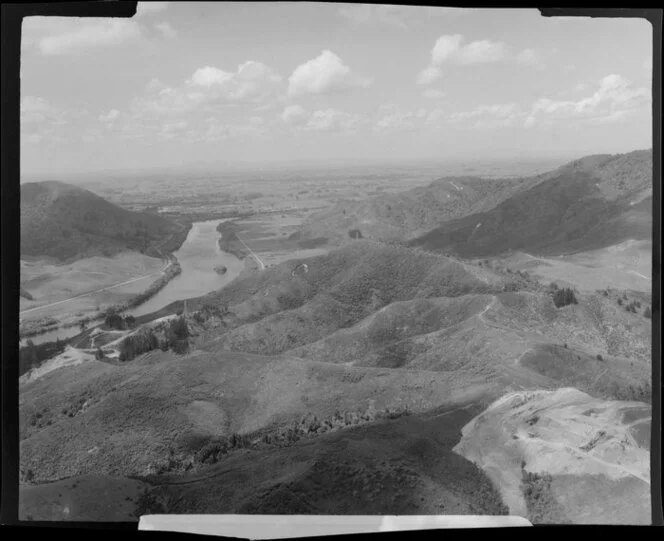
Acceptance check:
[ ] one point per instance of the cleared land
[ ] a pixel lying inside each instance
(624, 266)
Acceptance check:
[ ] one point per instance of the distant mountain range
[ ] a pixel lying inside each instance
(66, 222)
(589, 203)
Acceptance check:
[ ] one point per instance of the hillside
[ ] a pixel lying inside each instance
(611, 184)
(66, 222)
(401, 216)
(563, 457)
(587, 205)
(372, 354)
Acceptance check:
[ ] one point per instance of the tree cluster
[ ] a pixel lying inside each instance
(564, 297)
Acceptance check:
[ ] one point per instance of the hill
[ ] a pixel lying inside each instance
(335, 384)
(587, 205)
(401, 216)
(563, 457)
(66, 222)
(621, 181)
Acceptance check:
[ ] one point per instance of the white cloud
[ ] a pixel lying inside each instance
(295, 115)
(445, 48)
(83, 35)
(210, 87)
(166, 29)
(147, 8)
(429, 75)
(252, 81)
(479, 52)
(614, 99)
(449, 49)
(109, 117)
(433, 94)
(323, 74)
(209, 76)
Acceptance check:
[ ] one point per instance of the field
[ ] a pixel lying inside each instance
(50, 284)
(623, 266)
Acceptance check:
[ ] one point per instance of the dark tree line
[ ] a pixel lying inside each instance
(32, 356)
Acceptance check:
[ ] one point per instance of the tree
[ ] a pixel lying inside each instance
(99, 354)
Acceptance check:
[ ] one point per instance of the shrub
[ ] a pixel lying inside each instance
(116, 321)
(137, 344)
(99, 354)
(599, 357)
(564, 297)
(647, 313)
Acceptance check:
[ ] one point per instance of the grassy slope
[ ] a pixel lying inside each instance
(122, 420)
(583, 206)
(119, 420)
(391, 467)
(403, 215)
(65, 222)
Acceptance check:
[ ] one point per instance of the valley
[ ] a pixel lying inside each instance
(427, 365)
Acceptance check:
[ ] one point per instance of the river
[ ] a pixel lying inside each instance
(198, 256)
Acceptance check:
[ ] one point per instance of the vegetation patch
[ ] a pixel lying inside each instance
(543, 508)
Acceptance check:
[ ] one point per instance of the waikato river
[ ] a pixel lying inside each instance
(198, 256)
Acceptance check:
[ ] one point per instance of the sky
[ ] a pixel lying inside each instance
(239, 82)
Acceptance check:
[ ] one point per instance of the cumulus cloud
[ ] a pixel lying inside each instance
(166, 29)
(53, 36)
(324, 74)
(251, 81)
(64, 37)
(294, 115)
(449, 49)
(614, 99)
(208, 87)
